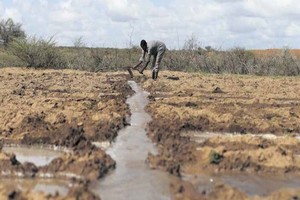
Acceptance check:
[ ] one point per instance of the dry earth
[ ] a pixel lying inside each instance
(187, 109)
(64, 108)
(71, 109)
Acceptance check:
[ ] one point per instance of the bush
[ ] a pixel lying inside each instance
(37, 53)
(10, 30)
(233, 61)
(278, 63)
(42, 53)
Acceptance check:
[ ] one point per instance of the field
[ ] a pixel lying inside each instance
(67, 109)
(225, 124)
(208, 125)
(295, 52)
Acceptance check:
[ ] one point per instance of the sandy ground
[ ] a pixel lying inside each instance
(260, 113)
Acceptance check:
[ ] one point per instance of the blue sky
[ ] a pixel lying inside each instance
(119, 23)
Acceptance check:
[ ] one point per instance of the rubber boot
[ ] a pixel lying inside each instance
(154, 74)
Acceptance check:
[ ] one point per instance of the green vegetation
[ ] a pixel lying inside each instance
(37, 53)
(10, 30)
(215, 158)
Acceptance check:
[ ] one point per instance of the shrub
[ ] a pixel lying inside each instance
(37, 53)
(10, 30)
(234, 61)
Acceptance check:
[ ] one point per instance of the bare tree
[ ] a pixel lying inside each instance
(79, 42)
(191, 43)
(10, 30)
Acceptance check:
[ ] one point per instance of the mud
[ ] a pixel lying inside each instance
(38, 104)
(77, 112)
(133, 178)
(62, 110)
(186, 190)
(46, 191)
(193, 104)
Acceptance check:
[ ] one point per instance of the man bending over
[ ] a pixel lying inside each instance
(152, 48)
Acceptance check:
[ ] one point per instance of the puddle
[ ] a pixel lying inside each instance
(37, 156)
(102, 145)
(201, 137)
(50, 187)
(248, 183)
(251, 184)
(132, 178)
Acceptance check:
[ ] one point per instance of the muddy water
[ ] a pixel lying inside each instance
(201, 137)
(51, 187)
(132, 178)
(37, 156)
(250, 184)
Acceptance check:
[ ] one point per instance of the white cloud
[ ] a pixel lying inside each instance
(122, 10)
(293, 29)
(1, 7)
(226, 23)
(274, 8)
(12, 13)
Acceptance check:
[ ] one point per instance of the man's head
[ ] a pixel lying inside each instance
(144, 45)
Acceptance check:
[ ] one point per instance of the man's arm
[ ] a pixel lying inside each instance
(147, 61)
(137, 65)
(145, 66)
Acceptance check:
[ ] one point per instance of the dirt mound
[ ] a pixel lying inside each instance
(39, 102)
(183, 190)
(80, 192)
(247, 153)
(63, 108)
(11, 167)
(249, 105)
(199, 104)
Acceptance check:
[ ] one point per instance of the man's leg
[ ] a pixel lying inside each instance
(157, 63)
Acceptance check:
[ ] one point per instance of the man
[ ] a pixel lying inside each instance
(152, 48)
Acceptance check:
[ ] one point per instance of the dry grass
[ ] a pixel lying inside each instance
(269, 52)
(271, 62)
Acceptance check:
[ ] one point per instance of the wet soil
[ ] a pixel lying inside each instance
(72, 110)
(37, 105)
(184, 108)
(37, 156)
(133, 178)
(28, 189)
(60, 109)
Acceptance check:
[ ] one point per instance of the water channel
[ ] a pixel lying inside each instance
(132, 178)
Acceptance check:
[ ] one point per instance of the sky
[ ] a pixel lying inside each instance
(225, 24)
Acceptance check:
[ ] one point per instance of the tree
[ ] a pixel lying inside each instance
(10, 30)
(78, 42)
(191, 43)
